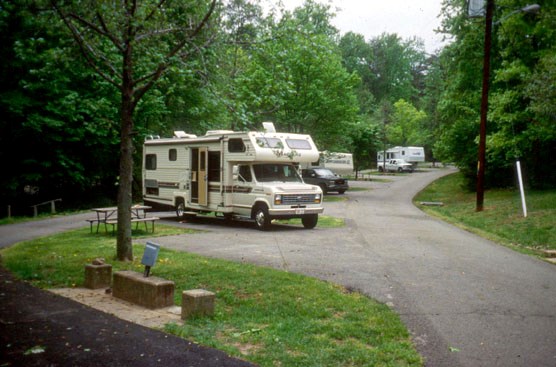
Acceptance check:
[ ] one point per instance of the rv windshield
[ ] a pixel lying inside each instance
(270, 172)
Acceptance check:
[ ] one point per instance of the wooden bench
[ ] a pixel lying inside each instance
(95, 221)
(114, 222)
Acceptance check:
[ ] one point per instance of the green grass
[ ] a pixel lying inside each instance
(266, 316)
(502, 218)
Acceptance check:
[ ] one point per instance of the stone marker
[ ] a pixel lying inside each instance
(98, 275)
(197, 302)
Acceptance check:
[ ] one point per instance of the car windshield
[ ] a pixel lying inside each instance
(269, 172)
(324, 172)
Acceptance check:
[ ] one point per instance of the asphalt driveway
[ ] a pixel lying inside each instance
(467, 301)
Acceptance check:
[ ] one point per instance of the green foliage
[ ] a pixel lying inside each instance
(57, 125)
(406, 125)
(294, 76)
(364, 136)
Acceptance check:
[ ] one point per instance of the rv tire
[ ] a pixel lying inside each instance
(180, 209)
(310, 220)
(262, 218)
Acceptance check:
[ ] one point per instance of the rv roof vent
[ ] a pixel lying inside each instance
(218, 132)
(183, 135)
(269, 127)
(152, 137)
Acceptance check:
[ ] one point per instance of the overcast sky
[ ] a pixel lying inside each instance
(371, 18)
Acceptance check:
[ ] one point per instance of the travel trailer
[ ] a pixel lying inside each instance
(236, 174)
(411, 155)
(339, 163)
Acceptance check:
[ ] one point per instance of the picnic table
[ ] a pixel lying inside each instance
(109, 216)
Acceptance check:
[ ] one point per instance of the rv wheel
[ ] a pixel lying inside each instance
(310, 221)
(180, 209)
(262, 218)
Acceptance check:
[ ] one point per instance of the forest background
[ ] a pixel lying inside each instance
(60, 121)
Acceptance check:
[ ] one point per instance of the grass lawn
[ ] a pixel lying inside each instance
(502, 218)
(269, 317)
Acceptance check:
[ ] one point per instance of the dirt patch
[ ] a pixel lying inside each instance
(101, 300)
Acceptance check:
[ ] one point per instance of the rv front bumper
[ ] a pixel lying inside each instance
(292, 212)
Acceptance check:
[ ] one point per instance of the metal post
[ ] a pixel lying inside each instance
(522, 192)
(484, 106)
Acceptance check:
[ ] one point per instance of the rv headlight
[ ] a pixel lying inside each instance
(317, 199)
(278, 199)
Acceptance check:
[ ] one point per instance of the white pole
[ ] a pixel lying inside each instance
(523, 203)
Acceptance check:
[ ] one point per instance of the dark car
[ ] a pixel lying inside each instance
(326, 179)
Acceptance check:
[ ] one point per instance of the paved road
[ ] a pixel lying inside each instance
(467, 301)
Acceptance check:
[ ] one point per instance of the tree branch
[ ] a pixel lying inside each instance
(158, 33)
(88, 51)
(153, 77)
(113, 38)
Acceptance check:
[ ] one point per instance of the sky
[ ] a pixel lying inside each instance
(371, 18)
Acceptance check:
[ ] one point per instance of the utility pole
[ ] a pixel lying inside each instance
(484, 107)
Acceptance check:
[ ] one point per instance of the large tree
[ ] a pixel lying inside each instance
(131, 45)
(295, 77)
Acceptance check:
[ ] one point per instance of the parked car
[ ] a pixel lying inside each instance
(395, 165)
(326, 179)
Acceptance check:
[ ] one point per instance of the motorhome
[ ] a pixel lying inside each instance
(236, 174)
(339, 163)
(412, 155)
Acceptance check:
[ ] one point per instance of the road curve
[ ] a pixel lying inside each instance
(467, 301)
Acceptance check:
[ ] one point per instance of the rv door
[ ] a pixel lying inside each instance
(202, 176)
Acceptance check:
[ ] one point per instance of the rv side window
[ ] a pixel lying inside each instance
(273, 143)
(150, 161)
(236, 146)
(298, 144)
(172, 154)
(244, 174)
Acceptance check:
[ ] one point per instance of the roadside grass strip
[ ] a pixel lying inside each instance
(266, 316)
(502, 218)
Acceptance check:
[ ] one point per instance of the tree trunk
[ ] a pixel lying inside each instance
(124, 244)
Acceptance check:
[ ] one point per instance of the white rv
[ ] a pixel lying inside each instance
(411, 155)
(246, 174)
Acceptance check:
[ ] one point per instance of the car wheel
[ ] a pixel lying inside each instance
(262, 218)
(400, 170)
(380, 169)
(310, 221)
(341, 192)
(323, 188)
